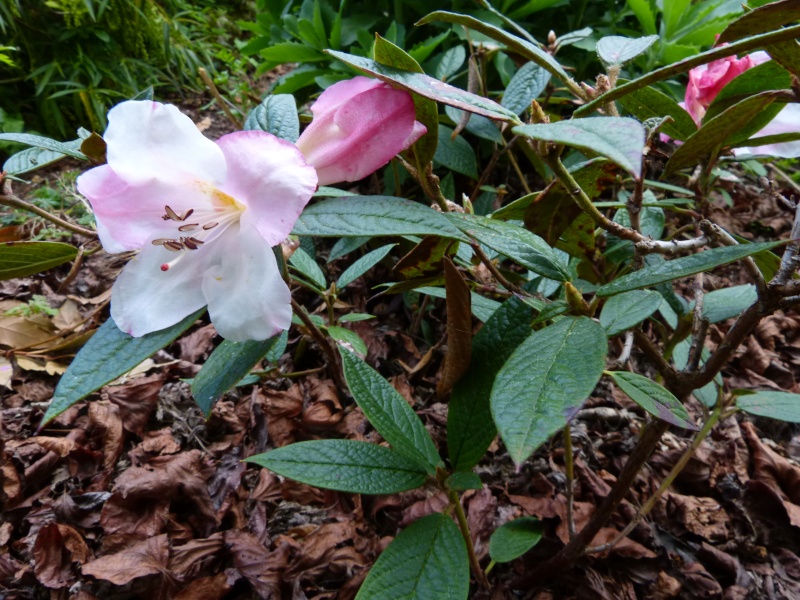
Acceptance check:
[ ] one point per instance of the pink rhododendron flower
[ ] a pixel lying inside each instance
(204, 216)
(706, 81)
(359, 125)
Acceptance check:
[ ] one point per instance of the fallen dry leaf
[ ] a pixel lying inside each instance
(149, 557)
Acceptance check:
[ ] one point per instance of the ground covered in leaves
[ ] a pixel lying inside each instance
(133, 494)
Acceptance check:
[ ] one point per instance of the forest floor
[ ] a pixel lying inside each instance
(133, 494)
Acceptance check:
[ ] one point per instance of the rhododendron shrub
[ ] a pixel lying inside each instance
(547, 215)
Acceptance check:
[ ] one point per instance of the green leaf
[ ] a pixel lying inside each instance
(527, 85)
(20, 259)
(482, 307)
(389, 413)
(683, 267)
(623, 311)
(782, 406)
(227, 365)
(530, 51)
(373, 216)
(707, 394)
(427, 561)
(470, 429)
(362, 265)
(619, 139)
(348, 336)
(727, 303)
(518, 244)
(477, 125)
(617, 50)
(545, 382)
(761, 20)
(291, 52)
(353, 317)
(427, 112)
(713, 135)
(30, 159)
(38, 141)
(456, 154)
(107, 355)
(429, 87)
(644, 13)
(308, 267)
(450, 62)
(464, 480)
(654, 398)
(344, 465)
(648, 103)
(276, 115)
(514, 538)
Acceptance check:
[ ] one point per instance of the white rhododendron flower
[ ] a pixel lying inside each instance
(204, 216)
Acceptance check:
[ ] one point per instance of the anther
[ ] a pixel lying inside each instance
(161, 241)
(188, 227)
(187, 214)
(211, 225)
(171, 215)
(173, 245)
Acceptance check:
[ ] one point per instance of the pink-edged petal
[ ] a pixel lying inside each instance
(131, 214)
(148, 140)
(787, 121)
(341, 92)
(146, 299)
(247, 297)
(271, 178)
(360, 137)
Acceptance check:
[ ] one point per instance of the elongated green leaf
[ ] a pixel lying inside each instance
(276, 115)
(308, 267)
(514, 538)
(470, 429)
(477, 125)
(523, 47)
(762, 19)
(546, 380)
(617, 50)
(344, 465)
(360, 216)
(427, 561)
(38, 141)
(450, 62)
(527, 85)
(683, 267)
(456, 154)
(648, 103)
(348, 336)
(519, 244)
(619, 139)
(227, 365)
(20, 259)
(716, 132)
(654, 398)
(362, 265)
(426, 110)
(623, 311)
(426, 86)
(464, 480)
(727, 303)
(389, 412)
(483, 308)
(107, 355)
(291, 52)
(774, 405)
(644, 13)
(30, 159)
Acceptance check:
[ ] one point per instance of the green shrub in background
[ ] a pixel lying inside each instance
(65, 62)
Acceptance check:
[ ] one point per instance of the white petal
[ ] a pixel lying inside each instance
(787, 121)
(247, 297)
(271, 177)
(148, 140)
(146, 299)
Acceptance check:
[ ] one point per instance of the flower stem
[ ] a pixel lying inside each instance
(324, 343)
(8, 199)
(455, 502)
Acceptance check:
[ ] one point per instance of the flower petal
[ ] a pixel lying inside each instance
(147, 140)
(269, 176)
(341, 92)
(129, 216)
(146, 299)
(361, 136)
(247, 297)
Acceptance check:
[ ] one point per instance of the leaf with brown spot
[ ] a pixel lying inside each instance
(149, 557)
(459, 328)
(425, 258)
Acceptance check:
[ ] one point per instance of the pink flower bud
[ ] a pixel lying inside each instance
(359, 125)
(706, 81)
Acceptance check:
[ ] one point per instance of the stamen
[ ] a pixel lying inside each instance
(171, 214)
(161, 241)
(187, 214)
(211, 225)
(195, 240)
(189, 243)
(189, 227)
(173, 245)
